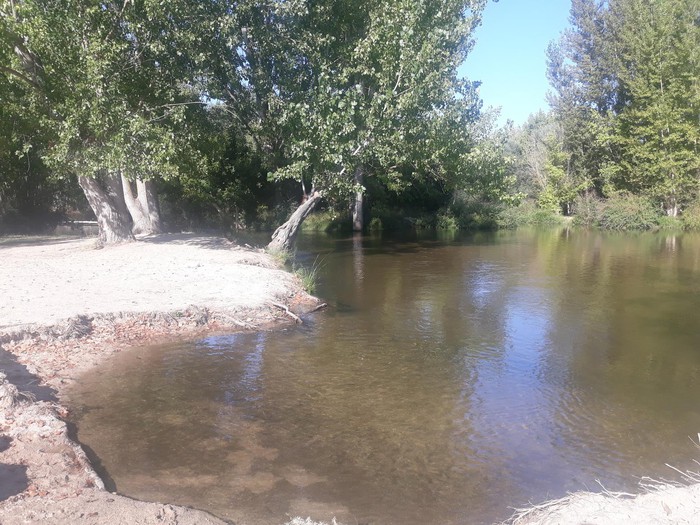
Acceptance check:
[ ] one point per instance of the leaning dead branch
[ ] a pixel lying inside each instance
(319, 307)
(286, 309)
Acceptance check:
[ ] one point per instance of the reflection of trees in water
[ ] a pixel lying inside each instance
(625, 336)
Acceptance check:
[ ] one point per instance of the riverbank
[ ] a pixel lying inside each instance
(658, 504)
(66, 308)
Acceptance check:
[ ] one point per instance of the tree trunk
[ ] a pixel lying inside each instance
(671, 207)
(143, 206)
(149, 202)
(284, 236)
(358, 218)
(141, 223)
(105, 194)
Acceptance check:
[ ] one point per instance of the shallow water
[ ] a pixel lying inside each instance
(448, 381)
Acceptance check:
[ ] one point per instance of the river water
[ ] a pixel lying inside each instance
(448, 381)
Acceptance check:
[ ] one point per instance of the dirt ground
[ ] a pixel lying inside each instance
(66, 307)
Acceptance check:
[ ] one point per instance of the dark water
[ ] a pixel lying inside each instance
(448, 381)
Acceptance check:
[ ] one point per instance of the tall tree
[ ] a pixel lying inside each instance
(627, 95)
(112, 83)
(581, 69)
(378, 75)
(657, 132)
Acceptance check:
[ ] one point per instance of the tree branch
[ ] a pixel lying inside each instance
(22, 76)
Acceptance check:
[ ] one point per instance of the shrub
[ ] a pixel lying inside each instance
(446, 221)
(587, 210)
(327, 221)
(667, 223)
(476, 214)
(528, 214)
(691, 217)
(623, 212)
(375, 224)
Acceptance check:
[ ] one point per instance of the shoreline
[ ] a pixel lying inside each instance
(45, 475)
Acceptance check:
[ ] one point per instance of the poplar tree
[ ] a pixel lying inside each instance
(382, 76)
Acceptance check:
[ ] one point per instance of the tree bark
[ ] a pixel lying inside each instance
(105, 194)
(284, 236)
(148, 196)
(143, 206)
(358, 218)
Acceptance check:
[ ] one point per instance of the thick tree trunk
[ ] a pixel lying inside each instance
(284, 236)
(358, 218)
(148, 197)
(143, 206)
(141, 223)
(105, 194)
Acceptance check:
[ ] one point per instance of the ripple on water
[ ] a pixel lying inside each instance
(450, 382)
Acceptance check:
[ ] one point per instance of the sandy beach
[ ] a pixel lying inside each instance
(67, 306)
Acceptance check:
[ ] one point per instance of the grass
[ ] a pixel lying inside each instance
(308, 275)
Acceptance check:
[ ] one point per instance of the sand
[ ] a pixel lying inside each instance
(65, 307)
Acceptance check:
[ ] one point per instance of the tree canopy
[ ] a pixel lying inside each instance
(627, 96)
(206, 99)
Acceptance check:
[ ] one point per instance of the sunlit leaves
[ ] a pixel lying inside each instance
(626, 76)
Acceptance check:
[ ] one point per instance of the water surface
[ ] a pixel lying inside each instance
(448, 381)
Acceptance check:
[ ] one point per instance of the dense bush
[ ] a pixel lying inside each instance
(624, 211)
(587, 210)
(667, 223)
(691, 217)
(528, 214)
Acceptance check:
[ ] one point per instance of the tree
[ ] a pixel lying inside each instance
(112, 86)
(544, 166)
(582, 71)
(657, 132)
(628, 97)
(378, 76)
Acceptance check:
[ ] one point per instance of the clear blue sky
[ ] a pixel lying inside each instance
(509, 57)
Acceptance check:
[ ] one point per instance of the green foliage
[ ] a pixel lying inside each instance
(627, 97)
(446, 221)
(385, 98)
(474, 214)
(691, 217)
(527, 213)
(375, 224)
(667, 223)
(624, 212)
(587, 210)
(328, 221)
(108, 83)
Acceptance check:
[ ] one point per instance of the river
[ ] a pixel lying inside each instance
(449, 380)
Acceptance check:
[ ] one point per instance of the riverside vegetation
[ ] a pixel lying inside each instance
(244, 116)
(249, 115)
